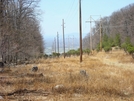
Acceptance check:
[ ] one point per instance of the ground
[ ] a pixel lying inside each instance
(109, 77)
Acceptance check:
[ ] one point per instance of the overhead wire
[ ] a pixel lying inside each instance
(70, 16)
(70, 10)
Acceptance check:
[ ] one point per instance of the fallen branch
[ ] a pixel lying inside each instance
(24, 91)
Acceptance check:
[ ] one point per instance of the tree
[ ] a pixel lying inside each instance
(20, 36)
(127, 46)
(117, 40)
(118, 26)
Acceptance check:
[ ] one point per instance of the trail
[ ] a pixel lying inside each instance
(116, 59)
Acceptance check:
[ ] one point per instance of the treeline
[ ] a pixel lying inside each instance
(119, 25)
(20, 37)
(69, 53)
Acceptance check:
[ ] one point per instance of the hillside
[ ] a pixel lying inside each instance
(100, 77)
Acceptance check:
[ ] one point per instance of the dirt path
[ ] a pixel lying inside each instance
(115, 61)
(118, 64)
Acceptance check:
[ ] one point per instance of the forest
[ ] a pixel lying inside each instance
(20, 35)
(116, 30)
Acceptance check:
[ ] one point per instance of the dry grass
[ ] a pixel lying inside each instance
(106, 80)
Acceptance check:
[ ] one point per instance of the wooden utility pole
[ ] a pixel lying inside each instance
(80, 30)
(63, 37)
(100, 36)
(90, 34)
(91, 31)
(68, 43)
(57, 42)
(73, 42)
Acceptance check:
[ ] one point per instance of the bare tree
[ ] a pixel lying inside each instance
(20, 36)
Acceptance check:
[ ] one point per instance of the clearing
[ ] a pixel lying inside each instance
(108, 77)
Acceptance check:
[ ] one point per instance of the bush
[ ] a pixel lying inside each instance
(98, 48)
(130, 49)
(107, 48)
(73, 52)
(127, 46)
(45, 56)
(124, 46)
(117, 40)
(109, 42)
(56, 54)
(87, 51)
(78, 52)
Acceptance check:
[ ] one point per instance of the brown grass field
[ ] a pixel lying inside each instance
(109, 77)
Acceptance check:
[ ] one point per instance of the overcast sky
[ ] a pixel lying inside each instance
(53, 11)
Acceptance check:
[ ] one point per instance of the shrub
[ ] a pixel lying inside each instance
(45, 56)
(109, 42)
(127, 46)
(107, 48)
(98, 48)
(87, 51)
(73, 52)
(117, 40)
(130, 49)
(124, 46)
(56, 54)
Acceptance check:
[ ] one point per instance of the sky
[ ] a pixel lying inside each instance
(53, 11)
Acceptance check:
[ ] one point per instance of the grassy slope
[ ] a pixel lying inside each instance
(110, 77)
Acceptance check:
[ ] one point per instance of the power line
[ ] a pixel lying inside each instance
(116, 26)
(73, 12)
(70, 10)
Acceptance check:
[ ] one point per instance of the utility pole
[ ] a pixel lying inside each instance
(100, 36)
(53, 47)
(73, 42)
(90, 34)
(55, 44)
(63, 37)
(91, 43)
(91, 31)
(80, 30)
(58, 42)
(68, 43)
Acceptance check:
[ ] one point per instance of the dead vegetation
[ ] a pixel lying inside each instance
(109, 77)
